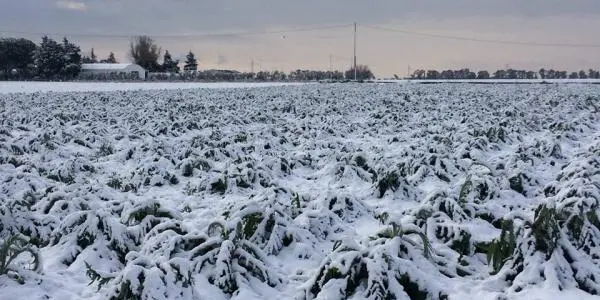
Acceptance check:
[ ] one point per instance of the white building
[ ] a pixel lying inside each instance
(130, 71)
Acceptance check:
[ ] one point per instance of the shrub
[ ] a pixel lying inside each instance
(12, 248)
(389, 182)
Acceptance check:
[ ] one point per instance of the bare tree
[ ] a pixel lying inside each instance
(145, 53)
(418, 74)
(362, 73)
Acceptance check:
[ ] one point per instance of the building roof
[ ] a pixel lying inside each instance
(106, 66)
(223, 71)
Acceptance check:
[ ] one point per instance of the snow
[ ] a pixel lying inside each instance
(8, 87)
(105, 66)
(331, 191)
(493, 81)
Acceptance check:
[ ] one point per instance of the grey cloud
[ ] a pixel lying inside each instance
(169, 17)
(71, 5)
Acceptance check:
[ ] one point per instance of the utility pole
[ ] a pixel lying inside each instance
(330, 66)
(355, 71)
(252, 66)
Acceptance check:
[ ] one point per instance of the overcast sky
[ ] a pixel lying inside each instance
(539, 21)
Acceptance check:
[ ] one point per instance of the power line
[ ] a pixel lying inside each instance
(355, 71)
(197, 35)
(479, 40)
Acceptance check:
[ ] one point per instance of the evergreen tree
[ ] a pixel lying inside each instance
(72, 60)
(92, 59)
(48, 58)
(170, 65)
(16, 55)
(53, 60)
(110, 60)
(191, 64)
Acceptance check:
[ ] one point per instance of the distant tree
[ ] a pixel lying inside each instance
(511, 74)
(461, 74)
(169, 65)
(500, 74)
(191, 63)
(470, 75)
(530, 75)
(280, 76)
(562, 74)
(433, 74)
(111, 59)
(262, 76)
(362, 73)
(573, 75)
(483, 75)
(419, 74)
(334, 75)
(542, 73)
(92, 59)
(447, 74)
(582, 75)
(145, 53)
(16, 55)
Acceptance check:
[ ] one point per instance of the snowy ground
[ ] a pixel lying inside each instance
(493, 81)
(349, 191)
(7, 87)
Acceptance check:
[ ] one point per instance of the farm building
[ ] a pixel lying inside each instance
(113, 71)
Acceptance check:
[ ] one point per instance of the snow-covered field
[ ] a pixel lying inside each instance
(493, 81)
(303, 192)
(7, 87)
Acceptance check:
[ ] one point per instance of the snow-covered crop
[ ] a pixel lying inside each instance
(333, 191)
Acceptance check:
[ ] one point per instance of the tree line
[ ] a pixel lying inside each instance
(232, 75)
(146, 53)
(503, 74)
(22, 59)
(93, 59)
